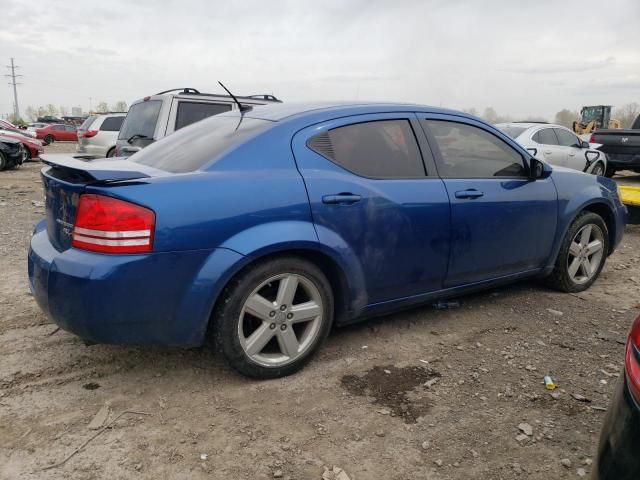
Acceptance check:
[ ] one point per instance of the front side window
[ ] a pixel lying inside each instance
(566, 139)
(192, 112)
(471, 152)
(546, 137)
(378, 149)
(58, 128)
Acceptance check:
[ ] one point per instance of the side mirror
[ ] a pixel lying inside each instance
(533, 151)
(584, 144)
(538, 169)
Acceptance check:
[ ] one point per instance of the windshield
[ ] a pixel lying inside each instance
(141, 120)
(513, 132)
(192, 147)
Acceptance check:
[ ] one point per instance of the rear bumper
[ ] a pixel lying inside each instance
(158, 298)
(618, 457)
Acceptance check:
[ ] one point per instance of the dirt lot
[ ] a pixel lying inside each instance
(435, 394)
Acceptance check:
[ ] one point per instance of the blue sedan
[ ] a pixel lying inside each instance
(262, 229)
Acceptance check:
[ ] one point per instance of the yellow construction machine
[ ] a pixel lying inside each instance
(593, 117)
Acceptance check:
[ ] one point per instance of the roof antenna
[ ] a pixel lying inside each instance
(242, 108)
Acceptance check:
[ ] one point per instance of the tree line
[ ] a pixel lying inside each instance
(625, 113)
(32, 113)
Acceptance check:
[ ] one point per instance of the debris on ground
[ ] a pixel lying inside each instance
(336, 473)
(442, 305)
(100, 418)
(526, 429)
(581, 398)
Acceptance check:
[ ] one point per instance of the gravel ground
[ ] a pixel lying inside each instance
(433, 394)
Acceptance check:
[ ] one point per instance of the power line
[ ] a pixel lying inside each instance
(13, 76)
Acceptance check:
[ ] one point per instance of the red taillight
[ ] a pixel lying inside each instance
(632, 360)
(107, 225)
(592, 138)
(89, 133)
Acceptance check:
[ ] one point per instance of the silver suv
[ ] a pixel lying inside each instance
(98, 134)
(154, 117)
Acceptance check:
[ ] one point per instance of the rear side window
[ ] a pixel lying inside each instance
(111, 124)
(70, 128)
(380, 149)
(87, 123)
(566, 139)
(546, 137)
(192, 112)
(141, 120)
(471, 152)
(193, 147)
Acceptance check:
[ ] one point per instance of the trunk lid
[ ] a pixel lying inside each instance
(67, 178)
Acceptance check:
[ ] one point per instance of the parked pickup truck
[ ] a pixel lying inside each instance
(622, 147)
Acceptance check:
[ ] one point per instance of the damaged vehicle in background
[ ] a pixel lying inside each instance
(557, 145)
(32, 147)
(260, 229)
(154, 117)
(11, 153)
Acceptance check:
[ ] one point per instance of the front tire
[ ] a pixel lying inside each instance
(598, 169)
(3, 161)
(272, 318)
(582, 254)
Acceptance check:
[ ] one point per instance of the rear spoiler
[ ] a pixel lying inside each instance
(103, 170)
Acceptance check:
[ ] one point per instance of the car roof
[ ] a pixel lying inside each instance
(284, 111)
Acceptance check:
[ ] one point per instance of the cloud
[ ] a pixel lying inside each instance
(521, 58)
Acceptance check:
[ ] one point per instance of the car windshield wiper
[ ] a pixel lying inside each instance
(137, 135)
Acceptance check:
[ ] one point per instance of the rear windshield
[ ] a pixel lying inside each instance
(85, 125)
(513, 132)
(141, 120)
(192, 147)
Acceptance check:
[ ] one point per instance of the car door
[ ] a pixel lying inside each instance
(549, 148)
(372, 199)
(502, 222)
(58, 132)
(70, 133)
(573, 146)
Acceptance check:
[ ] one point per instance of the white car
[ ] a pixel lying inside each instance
(98, 134)
(32, 127)
(557, 145)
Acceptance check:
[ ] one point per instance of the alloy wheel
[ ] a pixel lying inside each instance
(585, 253)
(280, 320)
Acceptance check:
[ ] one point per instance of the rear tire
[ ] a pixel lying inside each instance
(3, 161)
(582, 254)
(272, 318)
(48, 140)
(111, 152)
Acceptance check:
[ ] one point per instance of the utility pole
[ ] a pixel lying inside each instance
(13, 76)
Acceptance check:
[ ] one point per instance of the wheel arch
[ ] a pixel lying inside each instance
(598, 206)
(327, 263)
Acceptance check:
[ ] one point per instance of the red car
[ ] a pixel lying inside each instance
(32, 147)
(57, 132)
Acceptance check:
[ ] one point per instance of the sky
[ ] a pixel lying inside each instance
(523, 58)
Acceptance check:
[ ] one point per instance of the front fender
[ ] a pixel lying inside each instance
(578, 192)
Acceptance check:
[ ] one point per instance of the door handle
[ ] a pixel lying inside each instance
(572, 154)
(341, 199)
(547, 152)
(471, 193)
